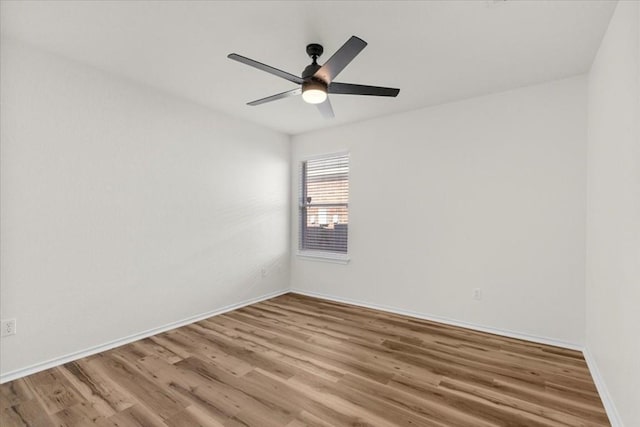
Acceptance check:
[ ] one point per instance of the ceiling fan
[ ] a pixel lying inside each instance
(316, 81)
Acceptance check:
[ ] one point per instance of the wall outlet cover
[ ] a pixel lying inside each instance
(8, 327)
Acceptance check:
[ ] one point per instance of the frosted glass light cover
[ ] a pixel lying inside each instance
(314, 96)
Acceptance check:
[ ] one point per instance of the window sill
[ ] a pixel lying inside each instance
(331, 257)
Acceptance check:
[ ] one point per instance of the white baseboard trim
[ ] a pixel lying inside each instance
(446, 321)
(22, 372)
(603, 391)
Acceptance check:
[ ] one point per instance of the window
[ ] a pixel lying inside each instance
(324, 205)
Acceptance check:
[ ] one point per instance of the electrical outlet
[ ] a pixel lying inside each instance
(8, 327)
(477, 294)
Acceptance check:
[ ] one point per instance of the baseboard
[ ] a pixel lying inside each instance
(19, 373)
(603, 391)
(446, 321)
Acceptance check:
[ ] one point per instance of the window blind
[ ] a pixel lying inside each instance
(324, 204)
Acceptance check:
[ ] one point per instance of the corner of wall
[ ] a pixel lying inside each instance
(603, 391)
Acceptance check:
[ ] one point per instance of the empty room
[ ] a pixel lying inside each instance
(320, 213)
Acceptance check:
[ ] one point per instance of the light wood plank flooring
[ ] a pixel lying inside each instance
(300, 361)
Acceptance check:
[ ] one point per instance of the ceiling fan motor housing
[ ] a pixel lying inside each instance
(309, 71)
(314, 83)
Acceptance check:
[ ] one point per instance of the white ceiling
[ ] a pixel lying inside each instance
(435, 52)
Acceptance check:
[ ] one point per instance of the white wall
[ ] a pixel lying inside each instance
(125, 209)
(487, 192)
(613, 213)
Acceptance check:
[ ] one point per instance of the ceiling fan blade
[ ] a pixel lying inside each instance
(352, 89)
(325, 109)
(276, 97)
(340, 59)
(264, 67)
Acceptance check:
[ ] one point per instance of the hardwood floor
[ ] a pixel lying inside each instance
(299, 361)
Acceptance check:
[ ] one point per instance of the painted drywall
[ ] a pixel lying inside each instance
(613, 213)
(485, 193)
(125, 209)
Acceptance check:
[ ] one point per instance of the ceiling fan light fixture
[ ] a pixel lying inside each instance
(314, 92)
(316, 79)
